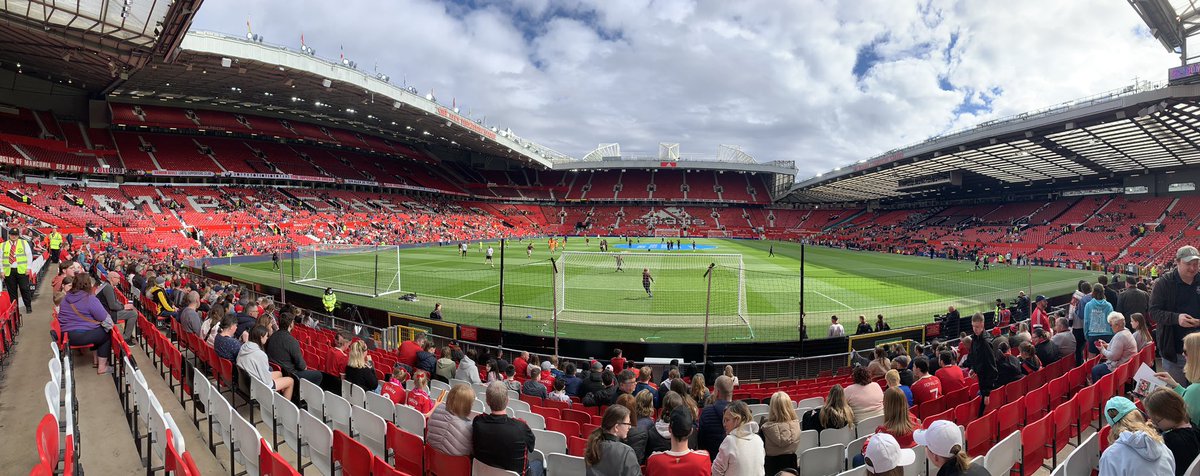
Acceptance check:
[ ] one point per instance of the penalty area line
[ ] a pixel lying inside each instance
(472, 293)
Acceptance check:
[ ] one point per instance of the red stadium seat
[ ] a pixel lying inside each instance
(1009, 418)
(441, 464)
(354, 457)
(407, 449)
(576, 445)
(981, 434)
(568, 428)
(1037, 402)
(380, 467)
(1033, 444)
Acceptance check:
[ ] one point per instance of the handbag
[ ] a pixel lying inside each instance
(107, 323)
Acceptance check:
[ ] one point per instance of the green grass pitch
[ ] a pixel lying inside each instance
(602, 304)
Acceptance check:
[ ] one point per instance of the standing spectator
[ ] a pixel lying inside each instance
(712, 430)
(1118, 351)
(699, 393)
(1166, 411)
(1079, 301)
(880, 325)
(982, 359)
(835, 413)
(618, 361)
(1140, 330)
(950, 374)
(1134, 299)
(605, 455)
(953, 323)
(1063, 338)
(284, 350)
(18, 263)
(679, 460)
(863, 327)
(501, 441)
(449, 427)
(1134, 446)
(1095, 319)
(1190, 392)
(436, 314)
(864, 396)
(86, 321)
(1039, 316)
(360, 370)
(741, 451)
(729, 373)
(926, 387)
(835, 329)
(781, 434)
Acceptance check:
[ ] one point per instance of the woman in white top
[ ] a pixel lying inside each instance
(729, 373)
(742, 452)
(1118, 351)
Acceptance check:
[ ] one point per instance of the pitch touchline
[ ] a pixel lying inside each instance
(834, 300)
(479, 291)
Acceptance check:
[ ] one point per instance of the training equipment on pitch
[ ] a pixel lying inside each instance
(364, 270)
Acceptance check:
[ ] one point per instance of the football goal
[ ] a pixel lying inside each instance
(364, 270)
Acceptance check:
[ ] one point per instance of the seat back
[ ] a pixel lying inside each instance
(337, 411)
(219, 413)
(478, 468)
(865, 427)
(380, 467)
(822, 460)
(381, 405)
(980, 434)
(410, 420)
(549, 441)
(808, 439)
(358, 396)
(1006, 454)
(47, 441)
(318, 439)
(312, 394)
(441, 464)
(287, 417)
(535, 421)
(371, 430)
(265, 396)
(558, 464)
(1085, 458)
(835, 436)
(354, 457)
(408, 450)
(1034, 437)
(247, 444)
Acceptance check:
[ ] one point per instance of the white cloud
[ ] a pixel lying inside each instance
(776, 78)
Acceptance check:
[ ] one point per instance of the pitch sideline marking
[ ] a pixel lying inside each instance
(479, 291)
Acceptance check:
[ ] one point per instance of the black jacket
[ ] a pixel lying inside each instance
(982, 361)
(1165, 312)
(1008, 369)
(592, 382)
(284, 350)
(501, 441)
(428, 362)
(636, 439)
(1133, 300)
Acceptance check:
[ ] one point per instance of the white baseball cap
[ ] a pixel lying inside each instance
(940, 437)
(884, 454)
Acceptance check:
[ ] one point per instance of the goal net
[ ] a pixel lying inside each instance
(608, 288)
(365, 270)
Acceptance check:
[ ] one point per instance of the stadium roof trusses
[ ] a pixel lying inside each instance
(1171, 22)
(216, 71)
(1137, 130)
(90, 45)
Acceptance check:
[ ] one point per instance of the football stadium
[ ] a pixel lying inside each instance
(805, 239)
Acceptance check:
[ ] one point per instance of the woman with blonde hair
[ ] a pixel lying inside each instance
(836, 413)
(698, 391)
(780, 433)
(1191, 370)
(741, 452)
(360, 369)
(645, 409)
(729, 373)
(449, 427)
(893, 381)
(604, 454)
(1135, 447)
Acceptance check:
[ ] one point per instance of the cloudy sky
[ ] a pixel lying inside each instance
(823, 83)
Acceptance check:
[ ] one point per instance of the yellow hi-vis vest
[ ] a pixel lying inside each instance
(6, 248)
(330, 301)
(56, 240)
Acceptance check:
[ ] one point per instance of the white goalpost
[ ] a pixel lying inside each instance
(589, 288)
(367, 270)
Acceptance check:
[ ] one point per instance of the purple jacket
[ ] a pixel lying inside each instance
(88, 305)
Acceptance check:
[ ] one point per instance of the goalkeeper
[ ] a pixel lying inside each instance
(646, 280)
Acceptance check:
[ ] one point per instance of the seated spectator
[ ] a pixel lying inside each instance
(1043, 348)
(617, 361)
(571, 380)
(360, 369)
(883, 456)
(659, 438)
(225, 345)
(407, 353)
(902, 364)
(1141, 331)
(1030, 362)
(393, 388)
(337, 355)
(465, 368)
(521, 362)
(712, 427)
(729, 373)
(679, 459)
(212, 325)
(880, 365)
(897, 422)
(253, 361)
(546, 377)
(699, 393)
(560, 392)
(1134, 447)
(445, 366)
(605, 455)
(944, 448)
(1008, 367)
(780, 434)
(835, 413)
(926, 387)
(426, 360)
(742, 451)
(418, 397)
(893, 379)
(510, 379)
(636, 437)
(533, 387)
(86, 321)
(644, 383)
(284, 350)
(449, 427)
(1167, 412)
(864, 396)
(501, 441)
(189, 317)
(605, 395)
(592, 381)
(950, 374)
(1118, 350)
(1063, 337)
